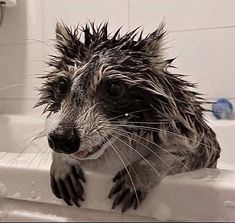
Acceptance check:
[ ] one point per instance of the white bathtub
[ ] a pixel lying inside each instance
(25, 195)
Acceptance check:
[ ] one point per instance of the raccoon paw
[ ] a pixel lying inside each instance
(124, 193)
(66, 178)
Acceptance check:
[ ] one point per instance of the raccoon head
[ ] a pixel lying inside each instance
(101, 84)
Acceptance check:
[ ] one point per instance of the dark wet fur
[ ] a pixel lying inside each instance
(151, 93)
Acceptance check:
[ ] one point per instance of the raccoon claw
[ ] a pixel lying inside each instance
(66, 183)
(124, 193)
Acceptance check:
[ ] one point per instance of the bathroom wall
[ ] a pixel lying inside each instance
(20, 56)
(200, 34)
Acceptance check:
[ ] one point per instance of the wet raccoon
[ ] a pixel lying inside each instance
(113, 92)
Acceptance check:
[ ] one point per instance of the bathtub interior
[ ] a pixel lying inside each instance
(224, 130)
(19, 133)
(24, 134)
(25, 190)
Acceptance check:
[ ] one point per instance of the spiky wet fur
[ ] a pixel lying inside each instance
(168, 111)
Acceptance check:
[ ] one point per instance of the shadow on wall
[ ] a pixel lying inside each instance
(13, 58)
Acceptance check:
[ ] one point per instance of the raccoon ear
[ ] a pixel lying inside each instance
(68, 44)
(63, 33)
(153, 46)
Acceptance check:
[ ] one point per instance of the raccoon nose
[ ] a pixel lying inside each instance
(64, 140)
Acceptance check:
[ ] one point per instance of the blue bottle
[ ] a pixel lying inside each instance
(222, 109)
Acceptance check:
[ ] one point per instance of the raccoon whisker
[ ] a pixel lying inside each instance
(12, 161)
(41, 118)
(43, 151)
(173, 99)
(12, 86)
(154, 129)
(22, 151)
(121, 134)
(48, 156)
(42, 42)
(126, 135)
(152, 123)
(18, 156)
(40, 135)
(36, 60)
(38, 153)
(43, 154)
(33, 75)
(138, 154)
(33, 138)
(128, 113)
(129, 163)
(30, 128)
(160, 148)
(132, 182)
(37, 137)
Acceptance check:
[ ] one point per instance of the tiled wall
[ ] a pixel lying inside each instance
(201, 34)
(20, 56)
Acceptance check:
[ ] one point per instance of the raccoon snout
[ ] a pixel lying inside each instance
(64, 140)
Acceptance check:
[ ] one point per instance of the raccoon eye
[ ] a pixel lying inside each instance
(116, 90)
(63, 86)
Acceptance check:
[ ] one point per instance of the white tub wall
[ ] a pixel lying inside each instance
(77, 12)
(20, 57)
(22, 134)
(206, 55)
